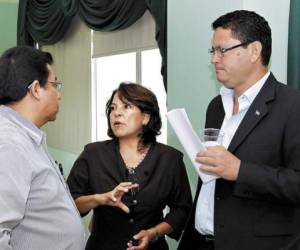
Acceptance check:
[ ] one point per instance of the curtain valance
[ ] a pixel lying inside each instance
(47, 21)
(44, 21)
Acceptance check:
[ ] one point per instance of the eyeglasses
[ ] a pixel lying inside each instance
(221, 51)
(56, 84)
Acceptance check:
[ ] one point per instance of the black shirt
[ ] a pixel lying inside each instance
(162, 182)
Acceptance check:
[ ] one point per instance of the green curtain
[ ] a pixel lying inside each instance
(44, 21)
(109, 15)
(158, 9)
(293, 65)
(23, 36)
(47, 21)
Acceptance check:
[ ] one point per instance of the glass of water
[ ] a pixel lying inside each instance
(212, 137)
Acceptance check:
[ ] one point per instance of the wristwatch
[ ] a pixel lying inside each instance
(156, 236)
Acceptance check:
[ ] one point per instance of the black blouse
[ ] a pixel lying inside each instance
(162, 182)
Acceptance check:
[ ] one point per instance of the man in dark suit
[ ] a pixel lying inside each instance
(254, 204)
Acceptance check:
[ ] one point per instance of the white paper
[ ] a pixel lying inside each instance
(188, 139)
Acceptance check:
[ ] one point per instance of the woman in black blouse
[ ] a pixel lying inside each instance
(105, 177)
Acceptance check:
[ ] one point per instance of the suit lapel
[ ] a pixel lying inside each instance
(257, 111)
(215, 116)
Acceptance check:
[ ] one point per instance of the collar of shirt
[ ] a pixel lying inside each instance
(37, 135)
(245, 100)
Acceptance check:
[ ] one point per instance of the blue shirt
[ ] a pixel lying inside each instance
(37, 211)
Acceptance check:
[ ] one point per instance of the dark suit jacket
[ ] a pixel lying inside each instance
(259, 210)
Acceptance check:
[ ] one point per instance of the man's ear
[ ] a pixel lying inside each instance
(146, 119)
(256, 48)
(34, 89)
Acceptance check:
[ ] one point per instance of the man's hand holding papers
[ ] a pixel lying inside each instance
(189, 140)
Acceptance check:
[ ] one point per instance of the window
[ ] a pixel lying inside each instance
(141, 66)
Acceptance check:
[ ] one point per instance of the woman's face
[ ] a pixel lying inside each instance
(126, 119)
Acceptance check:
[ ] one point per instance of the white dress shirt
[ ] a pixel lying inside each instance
(204, 216)
(37, 211)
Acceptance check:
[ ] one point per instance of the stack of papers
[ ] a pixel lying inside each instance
(188, 139)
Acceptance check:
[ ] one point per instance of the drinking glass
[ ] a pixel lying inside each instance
(212, 137)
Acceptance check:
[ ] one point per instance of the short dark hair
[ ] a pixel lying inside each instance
(248, 26)
(20, 66)
(146, 101)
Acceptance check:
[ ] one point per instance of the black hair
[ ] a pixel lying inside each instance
(146, 101)
(248, 26)
(19, 67)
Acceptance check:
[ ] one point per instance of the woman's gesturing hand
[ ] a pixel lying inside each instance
(114, 197)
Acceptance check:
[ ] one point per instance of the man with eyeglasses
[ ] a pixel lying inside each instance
(37, 211)
(255, 201)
